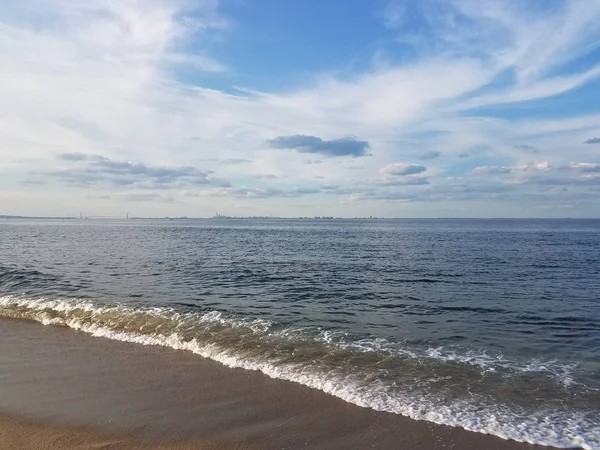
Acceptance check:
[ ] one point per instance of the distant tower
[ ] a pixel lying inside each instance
(127, 216)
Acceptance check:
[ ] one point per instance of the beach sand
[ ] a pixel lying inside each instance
(22, 434)
(65, 389)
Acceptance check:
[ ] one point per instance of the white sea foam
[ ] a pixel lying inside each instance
(555, 428)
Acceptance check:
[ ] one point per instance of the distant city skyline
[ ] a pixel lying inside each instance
(389, 108)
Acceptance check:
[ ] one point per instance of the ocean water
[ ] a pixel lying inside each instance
(490, 325)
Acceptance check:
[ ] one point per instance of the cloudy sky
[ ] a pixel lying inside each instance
(437, 108)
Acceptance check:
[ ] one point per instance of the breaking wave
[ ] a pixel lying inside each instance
(445, 385)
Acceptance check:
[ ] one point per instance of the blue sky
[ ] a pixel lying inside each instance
(454, 108)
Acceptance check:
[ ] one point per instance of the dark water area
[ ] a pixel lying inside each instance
(491, 325)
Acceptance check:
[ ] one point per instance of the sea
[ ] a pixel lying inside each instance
(488, 325)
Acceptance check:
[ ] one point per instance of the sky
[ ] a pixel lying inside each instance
(389, 108)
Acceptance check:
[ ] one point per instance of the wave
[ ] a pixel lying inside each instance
(423, 383)
(17, 278)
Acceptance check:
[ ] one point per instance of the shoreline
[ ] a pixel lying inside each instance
(53, 375)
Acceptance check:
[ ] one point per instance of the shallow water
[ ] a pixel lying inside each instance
(492, 325)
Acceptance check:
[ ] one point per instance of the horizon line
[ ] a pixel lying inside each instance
(260, 217)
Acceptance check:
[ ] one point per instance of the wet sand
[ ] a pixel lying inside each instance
(111, 394)
(21, 434)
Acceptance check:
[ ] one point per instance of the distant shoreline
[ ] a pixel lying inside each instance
(323, 218)
(7, 217)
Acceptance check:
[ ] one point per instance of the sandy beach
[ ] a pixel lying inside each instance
(64, 389)
(18, 433)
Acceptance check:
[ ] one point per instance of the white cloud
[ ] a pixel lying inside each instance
(536, 90)
(145, 196)
(394, 14)
(539, 38)
(483, 170)
(102, 77)
(535, 167)
(584, 167)
(244, 192)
